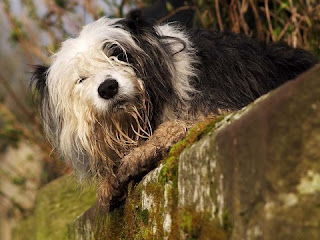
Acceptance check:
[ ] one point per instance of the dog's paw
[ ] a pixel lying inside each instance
(136, 162)
(125, 171)
(108, 189)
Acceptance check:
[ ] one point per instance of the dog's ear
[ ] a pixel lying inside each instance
(137, 23)
(134, 15)
(39, 78)
(176, 44)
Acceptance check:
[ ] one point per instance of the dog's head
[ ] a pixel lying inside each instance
(107, 88)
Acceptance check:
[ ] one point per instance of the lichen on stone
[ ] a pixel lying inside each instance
(310, 183)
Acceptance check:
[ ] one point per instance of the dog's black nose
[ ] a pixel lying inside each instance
(108, 89)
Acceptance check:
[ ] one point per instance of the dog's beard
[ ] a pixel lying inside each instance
(115, 133)
(124, 127)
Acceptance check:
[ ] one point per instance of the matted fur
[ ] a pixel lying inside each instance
(164, 73)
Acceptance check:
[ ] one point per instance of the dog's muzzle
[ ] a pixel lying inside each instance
(108, 89)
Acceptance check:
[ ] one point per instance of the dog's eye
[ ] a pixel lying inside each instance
(116, 51)
(81, 79)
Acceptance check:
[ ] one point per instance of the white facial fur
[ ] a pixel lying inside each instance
(84, 57)
(76, 104)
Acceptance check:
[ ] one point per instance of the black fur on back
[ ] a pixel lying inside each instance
(234, 69)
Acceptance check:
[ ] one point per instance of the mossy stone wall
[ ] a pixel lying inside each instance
(254, 174)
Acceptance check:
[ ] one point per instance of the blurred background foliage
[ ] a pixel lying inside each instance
(37, 27)
(32, 29)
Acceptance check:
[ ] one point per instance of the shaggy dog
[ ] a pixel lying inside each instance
(123, 83)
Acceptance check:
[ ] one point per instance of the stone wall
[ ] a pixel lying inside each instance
(254, 174)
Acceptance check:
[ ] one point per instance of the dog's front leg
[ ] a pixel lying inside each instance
(142, 159)
(108, 187)
(145, 157)
(139, 161)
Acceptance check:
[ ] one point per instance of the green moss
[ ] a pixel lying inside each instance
(186, 224)
(18, 181)
(97, 224)
(25, 230)
(170, 168)
(156, 191)
(145, 224)
(213, 189)
(227, 224)
(131, 213)
(144, 215)
(113, 228)
(199, 225)
(30, 157)
(58, 204)
(209, 128)
(136, 219)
